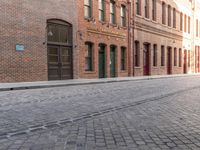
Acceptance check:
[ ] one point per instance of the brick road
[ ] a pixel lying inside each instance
(152, 115)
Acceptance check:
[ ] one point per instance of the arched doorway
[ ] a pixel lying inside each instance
(59, 45)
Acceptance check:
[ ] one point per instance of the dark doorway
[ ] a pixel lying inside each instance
(102, 61)
(169, 60)
(59, 45)
(112, 61)
(146, 60)
(59, 62)
(185, 62)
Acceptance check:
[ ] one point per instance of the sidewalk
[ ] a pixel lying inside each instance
(75, 82)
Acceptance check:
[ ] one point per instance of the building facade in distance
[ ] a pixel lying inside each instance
(163, 37)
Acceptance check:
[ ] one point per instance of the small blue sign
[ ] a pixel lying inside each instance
(20, 47)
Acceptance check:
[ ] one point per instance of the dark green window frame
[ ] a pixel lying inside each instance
(88, 8)
(101, 10)
(112, 12)
(88, 56)
(123, 15)
(123, 58)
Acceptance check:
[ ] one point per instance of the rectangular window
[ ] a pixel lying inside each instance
(112, 12)
(137, 54)
(138, 7)
(154, 10)
(188, 58)
(88, 56)
(123, 16)
(163, 13)
(162, 55)
(189, 25)
(123, 58)
(185, 23)
(169, 15)
(197, 28)
(175, 57)
(174, 18)
(154, 55)
(101, 10)
(180, 57)
(181, 21)
(87, 8)
(146, 8)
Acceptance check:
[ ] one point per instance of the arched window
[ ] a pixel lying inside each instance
(59, 32)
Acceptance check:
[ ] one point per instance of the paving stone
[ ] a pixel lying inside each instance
(167, 116)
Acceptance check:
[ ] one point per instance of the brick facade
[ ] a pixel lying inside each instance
(24, 22)
(154, 32)
(102, 32)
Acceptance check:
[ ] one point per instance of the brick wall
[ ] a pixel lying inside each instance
(97, 38)
(24, 22)
(154, 32)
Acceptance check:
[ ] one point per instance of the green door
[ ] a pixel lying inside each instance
(101, 61)
(112, 62)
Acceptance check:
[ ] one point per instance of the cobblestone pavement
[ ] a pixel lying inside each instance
(152, 115)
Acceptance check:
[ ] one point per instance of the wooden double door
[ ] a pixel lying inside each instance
(59, 62)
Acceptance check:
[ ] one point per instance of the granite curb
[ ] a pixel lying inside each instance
(77, 82)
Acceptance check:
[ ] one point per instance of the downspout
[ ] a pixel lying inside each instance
(130, 67)
(133, 37)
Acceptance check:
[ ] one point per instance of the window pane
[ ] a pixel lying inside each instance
(87, 2)
(86, 12)
(53, 33)
(63, 35)
(53, 59)
(101, 4)
(53, 51)
(88, 57)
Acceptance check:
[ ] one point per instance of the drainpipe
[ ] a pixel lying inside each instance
(133, 37)
(130, 57)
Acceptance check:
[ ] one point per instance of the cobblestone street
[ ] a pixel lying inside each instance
(159, 114)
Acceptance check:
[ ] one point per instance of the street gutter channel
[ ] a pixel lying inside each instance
(63, 122)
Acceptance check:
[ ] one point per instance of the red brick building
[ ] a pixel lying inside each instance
(103, 38)
(36, 40)
(69, 39)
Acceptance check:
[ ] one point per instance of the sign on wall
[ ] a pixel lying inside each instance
(20, 47)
